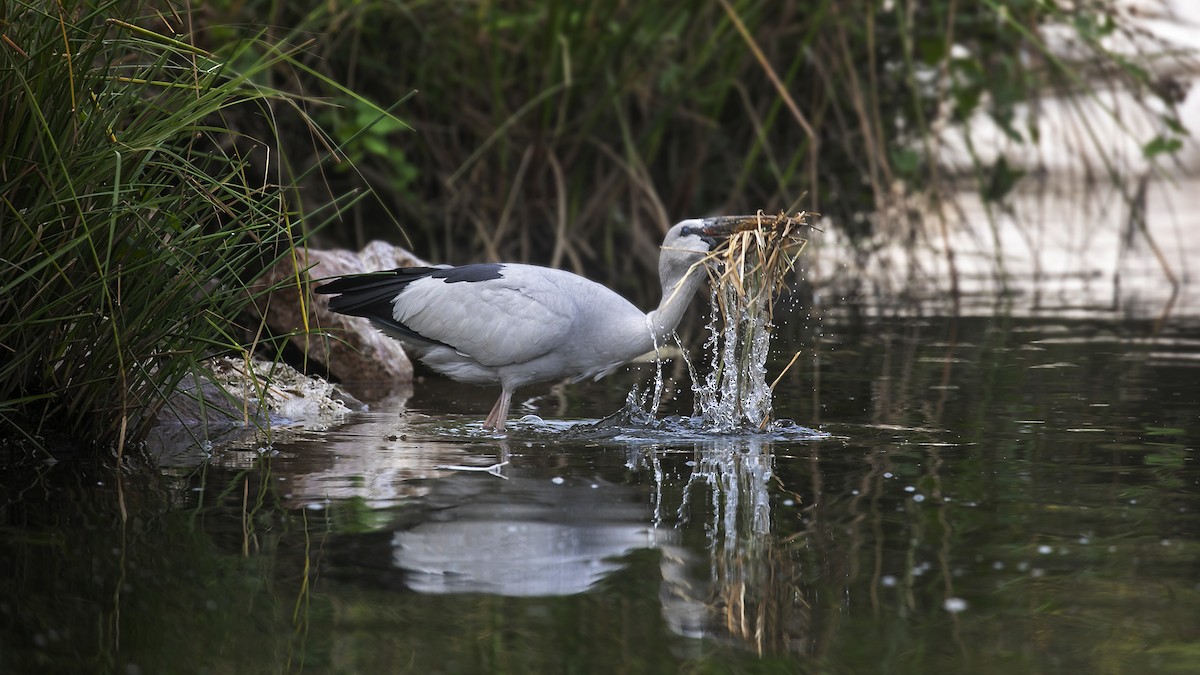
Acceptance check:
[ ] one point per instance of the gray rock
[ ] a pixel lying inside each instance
(239, 402)
(348, 348)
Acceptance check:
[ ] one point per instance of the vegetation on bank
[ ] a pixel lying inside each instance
(158, 156)
(571, 133)
(134, 210)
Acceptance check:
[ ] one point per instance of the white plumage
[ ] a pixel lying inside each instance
(512, 324)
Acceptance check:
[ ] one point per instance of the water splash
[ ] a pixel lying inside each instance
(735, 394)
(633, 424)
(658, 375)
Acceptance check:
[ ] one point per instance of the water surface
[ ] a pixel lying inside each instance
(986, 495)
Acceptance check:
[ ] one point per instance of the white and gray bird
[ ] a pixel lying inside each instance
(513, 324)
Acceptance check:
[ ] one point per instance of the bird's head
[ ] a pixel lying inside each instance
(689, 241)
(701, 235)
(688, 235)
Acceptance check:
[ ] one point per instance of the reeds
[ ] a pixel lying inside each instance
(132, 217)
(746, 274)
(571, 133)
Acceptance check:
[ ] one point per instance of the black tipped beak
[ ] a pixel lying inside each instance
(724, 226)
(718, 228)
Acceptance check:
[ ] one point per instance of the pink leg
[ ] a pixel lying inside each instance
(495, 419)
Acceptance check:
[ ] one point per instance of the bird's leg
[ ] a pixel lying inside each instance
(495, 419)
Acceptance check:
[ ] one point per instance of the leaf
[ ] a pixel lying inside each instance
(1164, 431)
(966, 100)
(375, 145)
(905, 161)
(1175, 125)
(932, 50)
(1003, 179)
(1175, 457)
(1161, 145)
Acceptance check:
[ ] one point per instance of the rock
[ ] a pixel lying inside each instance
(284, 394)
(348, 348)
(237, 401)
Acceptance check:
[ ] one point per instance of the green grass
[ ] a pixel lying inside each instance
(133, 215)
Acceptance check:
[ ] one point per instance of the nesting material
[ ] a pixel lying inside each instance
(749, 270)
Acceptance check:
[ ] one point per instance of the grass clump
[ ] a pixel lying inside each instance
(132, 217)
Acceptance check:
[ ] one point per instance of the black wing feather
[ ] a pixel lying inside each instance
(372, 296)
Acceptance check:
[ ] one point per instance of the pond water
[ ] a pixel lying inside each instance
(985, 494)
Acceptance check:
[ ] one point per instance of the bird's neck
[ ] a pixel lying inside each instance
(677, 295)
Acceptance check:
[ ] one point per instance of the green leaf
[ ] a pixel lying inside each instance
(1174, 456)
(1164, 431)
(1003, 179)
(931, 49)
(905, 161)
(375, 145)
(1161, 145)
(1175, 125)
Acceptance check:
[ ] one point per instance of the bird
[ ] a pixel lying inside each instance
(517, 324)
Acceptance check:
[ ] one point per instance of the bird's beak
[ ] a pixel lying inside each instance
(725, 226)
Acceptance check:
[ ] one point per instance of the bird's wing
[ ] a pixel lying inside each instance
(512, 318)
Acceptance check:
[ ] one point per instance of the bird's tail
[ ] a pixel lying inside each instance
(371, 295)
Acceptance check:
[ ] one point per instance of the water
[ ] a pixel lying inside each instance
(734, 393)
(990, 495)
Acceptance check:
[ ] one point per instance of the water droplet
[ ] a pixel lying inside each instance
(954, 605)
(918, 498)
(558, 480)
(887, 581)
(1045, 550)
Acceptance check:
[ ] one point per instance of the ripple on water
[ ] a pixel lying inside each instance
(625, 427)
